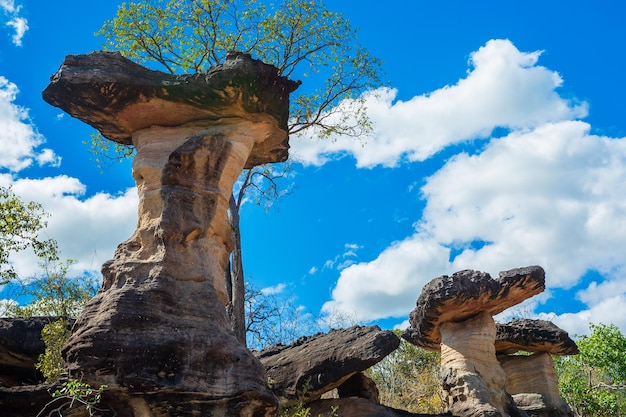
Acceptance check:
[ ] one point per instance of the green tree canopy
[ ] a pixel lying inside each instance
(594, 381)
(301, 38)
(20, 225)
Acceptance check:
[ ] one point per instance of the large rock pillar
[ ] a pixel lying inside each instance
(157, 333)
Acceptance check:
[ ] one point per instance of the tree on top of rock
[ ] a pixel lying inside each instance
(301, 38)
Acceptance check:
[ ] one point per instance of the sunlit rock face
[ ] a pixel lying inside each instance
(157, 332)
(473, 380)
(534, 385)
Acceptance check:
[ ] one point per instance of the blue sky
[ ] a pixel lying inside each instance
(500, 142)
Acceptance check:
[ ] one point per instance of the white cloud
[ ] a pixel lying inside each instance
(505, 88)
(389, 285)
(87, 229)
(549, 193)
(274, 290)
(17, 23)
(18, 136)
(552, 196)
(20, 25)
(607, 311)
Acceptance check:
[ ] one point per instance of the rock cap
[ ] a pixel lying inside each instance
(118, 97)
(463, 295)
(533, 336)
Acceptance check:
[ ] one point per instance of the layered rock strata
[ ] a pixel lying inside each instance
(471, 377)
(157, 330)
(534, 385)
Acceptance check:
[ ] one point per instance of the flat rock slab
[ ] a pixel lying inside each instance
(463, 295)
(314, 365)
(533, 336)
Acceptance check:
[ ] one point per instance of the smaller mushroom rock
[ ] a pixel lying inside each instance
(533, 383)
(317, 364)
(533, 336)
(465, 294)
(473, 380)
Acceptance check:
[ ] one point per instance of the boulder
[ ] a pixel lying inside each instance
(465, 294)
(157, 332)
(533, 336)
(311, 366)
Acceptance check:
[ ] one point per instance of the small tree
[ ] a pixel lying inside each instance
(408, 379)
(20, 225)
(299, 37)
(60, 298)
(594, 381)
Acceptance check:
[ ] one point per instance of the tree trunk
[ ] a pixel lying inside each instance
(237, 278)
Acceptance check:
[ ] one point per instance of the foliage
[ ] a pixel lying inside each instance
(594, 381)
(408, 379)
(55, 294)
(59, 297)
(20, 224)
(74, 393)
(301, 38)
(50, 363)
(107, 152)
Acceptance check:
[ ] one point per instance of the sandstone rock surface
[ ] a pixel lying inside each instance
(533, 382)
(533, 336)
(157, 331)
(473, 380)
(314, 365)
(465, 294)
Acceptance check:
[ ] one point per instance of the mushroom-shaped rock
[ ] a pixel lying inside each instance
(533, 336)
(158, 327)
(465, 294)
(311, 366)
(534, 385)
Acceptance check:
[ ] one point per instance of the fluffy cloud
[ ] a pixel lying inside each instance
(549, 193)
(87, 229)
(14, 21)
(504, 88)
(18, 132)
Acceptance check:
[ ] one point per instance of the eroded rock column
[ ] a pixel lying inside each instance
(157, 333)
(472, 378)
